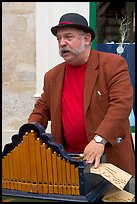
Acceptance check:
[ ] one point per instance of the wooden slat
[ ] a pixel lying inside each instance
(39, 164)
(77, 182)
(22, 162)
(19, 169)
(15, 166)
(13, 185)
(55, 176)
(26, 155)
(72, 175)
(3, 173)
(68, 177)
(38, 160)
(64, 176)
(44, 168)
(11, 170)
(7, 171)
(26, 159)
(49, 168)
(33, 174)
(60, 179)
(32, 138)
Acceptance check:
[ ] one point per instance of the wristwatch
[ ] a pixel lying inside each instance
(99, 139)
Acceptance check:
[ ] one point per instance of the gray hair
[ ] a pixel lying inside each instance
(82, 33)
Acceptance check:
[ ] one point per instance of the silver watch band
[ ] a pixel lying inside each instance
(99, 139)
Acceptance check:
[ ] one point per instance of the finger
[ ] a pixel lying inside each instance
(90, 158)
(90, 161)
(86, 156)
(97, 162)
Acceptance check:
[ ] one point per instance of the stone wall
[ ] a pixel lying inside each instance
(18, 65)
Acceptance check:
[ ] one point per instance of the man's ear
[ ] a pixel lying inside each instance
(87, 39)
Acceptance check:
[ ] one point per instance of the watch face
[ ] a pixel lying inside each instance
(98, 138)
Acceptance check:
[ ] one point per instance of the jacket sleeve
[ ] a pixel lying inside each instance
(116, 120)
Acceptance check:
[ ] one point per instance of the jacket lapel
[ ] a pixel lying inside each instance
(90, 79)
(57, 90)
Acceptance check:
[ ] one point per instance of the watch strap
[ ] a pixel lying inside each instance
(103, 141)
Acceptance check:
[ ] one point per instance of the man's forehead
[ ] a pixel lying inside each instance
(62, 31)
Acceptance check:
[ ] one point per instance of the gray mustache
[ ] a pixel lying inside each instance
(62, 49)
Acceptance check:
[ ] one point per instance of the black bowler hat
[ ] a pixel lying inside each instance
(73, 20)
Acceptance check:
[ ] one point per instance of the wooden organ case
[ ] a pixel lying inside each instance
(34, 166)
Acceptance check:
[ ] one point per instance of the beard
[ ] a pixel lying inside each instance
(76, 51)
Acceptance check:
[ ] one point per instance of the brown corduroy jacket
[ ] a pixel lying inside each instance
(108, 98)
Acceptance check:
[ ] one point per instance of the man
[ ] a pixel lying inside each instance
(88, 98)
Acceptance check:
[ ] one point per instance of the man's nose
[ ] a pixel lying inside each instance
(62, 42)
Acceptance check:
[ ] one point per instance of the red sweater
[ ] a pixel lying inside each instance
(73, 109)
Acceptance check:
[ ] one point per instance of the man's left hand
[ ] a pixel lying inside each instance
(93, 152)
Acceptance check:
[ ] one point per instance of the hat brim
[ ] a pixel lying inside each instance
(84, 28)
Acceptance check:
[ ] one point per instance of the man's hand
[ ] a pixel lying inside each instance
(93, 152)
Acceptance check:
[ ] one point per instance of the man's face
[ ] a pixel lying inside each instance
(71, 43)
